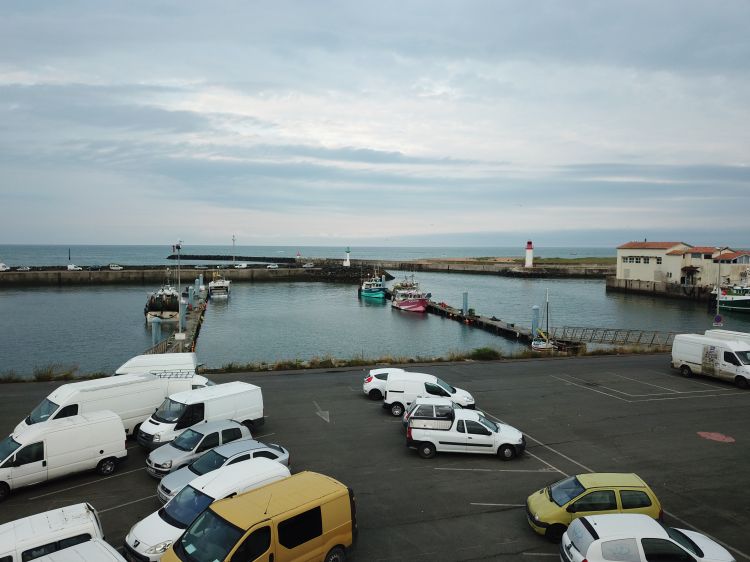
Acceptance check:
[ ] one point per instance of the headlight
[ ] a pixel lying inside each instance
(159, 548)
(536, 518)
(167, 464)
(157, 437)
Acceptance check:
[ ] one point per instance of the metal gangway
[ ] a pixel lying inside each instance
(612, 336)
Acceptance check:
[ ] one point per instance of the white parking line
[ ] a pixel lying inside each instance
(589, 388)
(501, 504)
(124, 504)
(541, 553)
(87, 483)
(264, 435)
(494, 470)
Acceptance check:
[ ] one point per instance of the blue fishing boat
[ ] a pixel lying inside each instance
(373, 288)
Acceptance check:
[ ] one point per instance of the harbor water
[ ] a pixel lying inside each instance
(98, 328)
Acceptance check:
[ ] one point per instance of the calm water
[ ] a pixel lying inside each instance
(99, 328)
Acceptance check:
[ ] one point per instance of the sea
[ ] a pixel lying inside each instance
(97, 328)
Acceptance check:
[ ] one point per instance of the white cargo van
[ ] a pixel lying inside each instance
(95, 550)
(239, 401)
(703, 355)
(159, 362)
(728, 335)
(43, 533)
(401, 389)
(132, 397)
(61, 447)
(152, 536)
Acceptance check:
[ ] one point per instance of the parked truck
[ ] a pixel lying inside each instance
(463, 431)
(696, 354)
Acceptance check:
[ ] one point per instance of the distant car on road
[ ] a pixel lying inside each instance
(308, 265)
(272, 266)
(23, 268)
(94, 268)
(74, 267)
(241, 266)
(4, 267)
(200, 267)
(115, 267)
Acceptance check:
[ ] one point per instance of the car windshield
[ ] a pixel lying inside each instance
(445, 386)
(42, 412)
(185, 507)
(683, 540)
(7, 447)
(565, 490)
(169, 411)
(206, 463)
(744, 357)
(492, 426)
(207, 539)
(187, 440)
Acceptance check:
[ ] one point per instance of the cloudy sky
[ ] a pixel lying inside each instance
(375, 123)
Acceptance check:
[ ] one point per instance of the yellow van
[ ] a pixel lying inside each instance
(550, 510)
(307, 516)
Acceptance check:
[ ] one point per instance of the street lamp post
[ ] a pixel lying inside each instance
(178, 247)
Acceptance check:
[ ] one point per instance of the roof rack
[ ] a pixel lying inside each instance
(173, 373)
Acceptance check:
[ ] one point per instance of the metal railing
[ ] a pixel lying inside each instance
(649, 338)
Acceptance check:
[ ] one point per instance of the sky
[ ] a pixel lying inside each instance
(375, 123)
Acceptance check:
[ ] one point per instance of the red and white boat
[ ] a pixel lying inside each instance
(408, 296)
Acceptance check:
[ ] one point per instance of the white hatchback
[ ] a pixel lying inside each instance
(374, 383)
(635, 538)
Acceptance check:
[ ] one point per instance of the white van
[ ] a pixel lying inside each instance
(132, 397)
(95, 550)
(152, 536)
(728, 335)
(159, 362)
(402, 388)
(238, 401)
(37, 535)
(703, 355)
(61, 447)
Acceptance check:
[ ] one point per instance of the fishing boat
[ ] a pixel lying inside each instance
(541, 341)
(219, 287)
(163, 304)
(735, 297)
(408, 296)
(373, 287)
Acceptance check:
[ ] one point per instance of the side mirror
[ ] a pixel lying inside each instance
(571, 508)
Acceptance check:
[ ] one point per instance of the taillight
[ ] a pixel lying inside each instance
(368, 378)
(408, 431)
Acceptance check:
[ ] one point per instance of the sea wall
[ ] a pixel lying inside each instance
(660, 288)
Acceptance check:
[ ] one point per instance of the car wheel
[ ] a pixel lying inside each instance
(741, 382)
(685, 371)
(397, 409)
(136, 429)
(506, 452)
(336, 554)
(555, 532)
(375, 394)
(4, 491)
(426, 450)
(106, 466)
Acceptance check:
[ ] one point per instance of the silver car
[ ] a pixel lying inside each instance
(216, 458)
(192, 443)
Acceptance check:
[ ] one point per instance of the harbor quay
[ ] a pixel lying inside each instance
(683, 437)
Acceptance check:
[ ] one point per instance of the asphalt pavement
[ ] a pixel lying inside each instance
(687, 438)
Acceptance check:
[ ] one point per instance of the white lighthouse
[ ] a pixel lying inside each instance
(347, 263)
(529, 254)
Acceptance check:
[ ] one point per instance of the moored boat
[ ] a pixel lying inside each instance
(373, 287)
(541, 341)
(163, 304)
(736, 298)
(219, 287)
(408, 296)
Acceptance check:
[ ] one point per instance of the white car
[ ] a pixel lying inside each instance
(241, 266)
(272, 266)
(4, 267)
(74, 267)
(151, 537)
(23, 268)
(115, 267)
(635, 538)
(308, 265)
(374, 383)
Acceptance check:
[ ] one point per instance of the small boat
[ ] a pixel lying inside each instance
(408, 296)
(219, 287)
(163, 304)
(541, 341)
(373, 287)
(735, 297)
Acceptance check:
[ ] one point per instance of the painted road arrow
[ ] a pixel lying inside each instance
(322, 413)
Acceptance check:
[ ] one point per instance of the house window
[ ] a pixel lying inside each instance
(638, 259)
(645, 259)
(669, 274)
(658, 261)
(695, 255)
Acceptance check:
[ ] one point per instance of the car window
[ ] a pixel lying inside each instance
(460, 426)
(30, 453)
(72, 541)
(67, 411)
(382, 376)
(580, 536)
(256, 544)
(621, 550)
(599, 500)
(634, 499)
(6, 559)
(443, 411)
(662, 550)
(476, 428)
(239, 459)
(265, 455)
(730, 358)
(231, 434)
(38, 551)
(565, 490)
(423, 411)
(211, 440)
(435, 389)
(301, 528)
(683, 540)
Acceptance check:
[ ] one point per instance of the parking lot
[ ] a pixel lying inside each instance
(687, 438)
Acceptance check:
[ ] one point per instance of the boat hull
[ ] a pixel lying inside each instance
(735, 303)
(410, 305)
(163, 315)
(372, 293)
